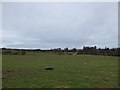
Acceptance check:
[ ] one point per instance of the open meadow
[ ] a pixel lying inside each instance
(70, 71)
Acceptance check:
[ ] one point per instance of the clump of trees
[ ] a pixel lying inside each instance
(13, 53)
(94, 51)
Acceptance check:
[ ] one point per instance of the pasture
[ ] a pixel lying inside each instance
(70, 71)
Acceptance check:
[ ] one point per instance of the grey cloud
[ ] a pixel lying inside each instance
(50, 25)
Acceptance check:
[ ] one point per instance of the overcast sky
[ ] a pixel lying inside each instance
(60, 25)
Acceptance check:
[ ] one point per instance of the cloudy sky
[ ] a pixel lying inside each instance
(53, 25)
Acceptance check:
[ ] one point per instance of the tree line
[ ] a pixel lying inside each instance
(86, 50)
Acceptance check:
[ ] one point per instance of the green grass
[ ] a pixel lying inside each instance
(79, 71)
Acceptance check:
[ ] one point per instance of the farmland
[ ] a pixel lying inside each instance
(70, 71)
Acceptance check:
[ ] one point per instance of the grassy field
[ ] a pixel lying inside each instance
(70, 71)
